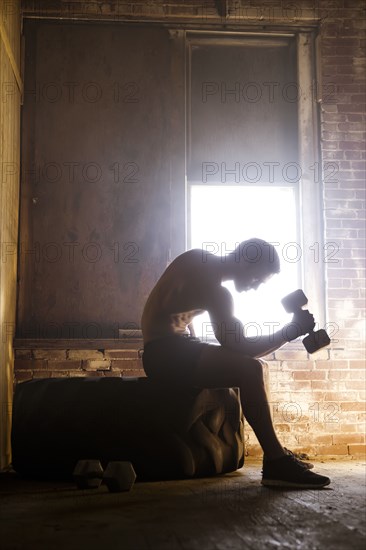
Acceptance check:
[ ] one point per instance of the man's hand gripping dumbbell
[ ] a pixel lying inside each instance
(303, 323)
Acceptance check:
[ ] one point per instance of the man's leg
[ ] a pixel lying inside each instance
(221, 367)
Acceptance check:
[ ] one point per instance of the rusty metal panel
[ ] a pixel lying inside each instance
(95, 200)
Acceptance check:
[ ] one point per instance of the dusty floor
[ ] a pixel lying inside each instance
(230, 512)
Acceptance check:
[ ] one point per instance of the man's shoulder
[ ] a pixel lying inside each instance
(195, 255)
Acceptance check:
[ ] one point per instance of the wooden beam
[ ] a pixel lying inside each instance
(9, 53)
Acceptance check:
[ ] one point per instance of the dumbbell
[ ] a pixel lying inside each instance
(316, 339)
(118, 476)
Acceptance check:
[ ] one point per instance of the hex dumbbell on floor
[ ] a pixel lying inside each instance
(316, 339)
(88, 474)
(118, 476)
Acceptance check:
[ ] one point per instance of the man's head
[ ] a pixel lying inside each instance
(254, 261)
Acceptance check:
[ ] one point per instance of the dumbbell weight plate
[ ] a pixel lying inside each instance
(119, 476)
(316, 340)
(88, 474)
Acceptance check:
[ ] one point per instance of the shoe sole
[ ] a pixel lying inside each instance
(293, 484)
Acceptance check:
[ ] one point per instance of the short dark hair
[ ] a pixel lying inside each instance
(258, 251)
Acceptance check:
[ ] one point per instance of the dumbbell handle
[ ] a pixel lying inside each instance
(316, 339)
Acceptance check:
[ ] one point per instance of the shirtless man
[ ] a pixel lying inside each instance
(192, 284)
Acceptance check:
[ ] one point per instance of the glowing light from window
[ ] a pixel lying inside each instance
(223, 216)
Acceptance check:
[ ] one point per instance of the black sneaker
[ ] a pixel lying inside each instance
(301, 457)
(287, 471)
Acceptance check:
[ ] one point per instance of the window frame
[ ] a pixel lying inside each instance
(310, 191)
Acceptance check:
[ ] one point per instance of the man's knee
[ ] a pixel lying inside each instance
(255, 367)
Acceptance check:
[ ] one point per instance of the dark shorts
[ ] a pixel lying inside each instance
(173, 359)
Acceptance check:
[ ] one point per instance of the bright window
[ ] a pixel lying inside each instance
(221, 216)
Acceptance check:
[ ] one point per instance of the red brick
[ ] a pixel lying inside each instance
(355, 385)
(123, 364)
(330, 29)
(338, 375)
(65, 365)
(312, 375)
(325, 385)
(21, 376)
(334, 155)
(298, 365)
(301, 427)
(30, 364)
(340, 395)
(254, 450)
(23, 353)
(351, 145)
(335, 365)
(60, 374)
(332, 136)
(338, 283)
(353, 155)
(96, 364)
(342, 50)
(88, 373)
(301, 385)
(331, 126)
(49, 354)
(340, 194)
(332, 450)
(353, 406)
(351, 273)
(134, 373)
(348, 438)
(333, 42)
(335, 117)
(357, 364)
(357, 449)
(291, 355)
(331, 146)
(357, 375)
(355, 107)
(282, 427)
(353, 127)
(112, 374)
(310, 450)
(42, 374)
(346, 428)
(121, 353)
(338, 60)
(318, 439)
(84, 354)
(322, 354)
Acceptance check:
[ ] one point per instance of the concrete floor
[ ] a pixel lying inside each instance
(231, 512)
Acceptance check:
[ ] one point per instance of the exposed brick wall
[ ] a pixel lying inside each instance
(343, 145)
(55, 363)
(317, 402)
(317, 405)
(343, 63)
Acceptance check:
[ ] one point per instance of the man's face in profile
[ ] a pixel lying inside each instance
(251, 278)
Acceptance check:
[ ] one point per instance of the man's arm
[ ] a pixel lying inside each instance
(192, 332)
(229, 330)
